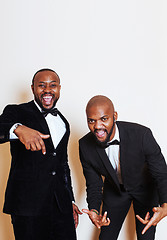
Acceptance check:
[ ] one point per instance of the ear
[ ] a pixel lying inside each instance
(115, 116)
(32, 88)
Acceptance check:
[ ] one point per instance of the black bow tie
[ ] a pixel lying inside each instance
(52, 111)
(115, 142)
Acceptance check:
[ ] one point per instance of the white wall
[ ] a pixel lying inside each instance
(114, 48)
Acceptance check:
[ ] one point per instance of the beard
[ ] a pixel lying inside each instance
(39, 101)
(103, 144)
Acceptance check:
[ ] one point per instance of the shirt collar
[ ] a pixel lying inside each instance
(40, 109)
(116, 136)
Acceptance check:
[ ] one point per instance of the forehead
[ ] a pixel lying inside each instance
(46, 76)
(98, 111)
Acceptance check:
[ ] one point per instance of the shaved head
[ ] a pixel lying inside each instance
(101, 118)
(99, 100)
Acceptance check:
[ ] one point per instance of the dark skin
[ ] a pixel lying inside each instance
(46, 91)
(159, 213)
(100, 112)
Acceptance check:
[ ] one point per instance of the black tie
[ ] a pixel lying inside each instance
(53, 111)
(115, 142)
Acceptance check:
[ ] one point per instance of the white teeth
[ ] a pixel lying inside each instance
(100, 133)
(47, 97)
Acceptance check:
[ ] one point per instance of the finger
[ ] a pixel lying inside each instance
(108, 222)
(141, 219)
(86, 211)
(104, 217)
(97, 225)
(147, 227)
(152, 222)
(79, 212)
(147, 217)
(155, 209)
(76, 219)
(43, 146)
(38, 145)
(33, 146)
(75, 208)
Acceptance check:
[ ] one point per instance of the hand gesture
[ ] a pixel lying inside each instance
(32, 139)
(97, 220)
(76, 211)
(159, 213)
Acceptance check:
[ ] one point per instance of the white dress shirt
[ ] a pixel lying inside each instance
(113, 154)
(56, 126)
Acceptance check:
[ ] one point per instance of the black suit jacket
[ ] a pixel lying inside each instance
(35, 178)
(143, 168)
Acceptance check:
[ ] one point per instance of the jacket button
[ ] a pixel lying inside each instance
(54, 154)
(53, 173)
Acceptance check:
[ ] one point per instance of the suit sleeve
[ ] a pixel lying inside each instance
(156, 164)
(67, 179)
(7, 119)
(94, 182)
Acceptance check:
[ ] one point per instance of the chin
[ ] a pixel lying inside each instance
(101, 143)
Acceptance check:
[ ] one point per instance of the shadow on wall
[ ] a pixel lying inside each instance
(130, 225)
(6, 229)
(75, 166)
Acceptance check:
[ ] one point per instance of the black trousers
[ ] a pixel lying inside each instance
(55, 226)
(117, 213)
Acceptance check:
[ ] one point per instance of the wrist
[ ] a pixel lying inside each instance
(16, 126)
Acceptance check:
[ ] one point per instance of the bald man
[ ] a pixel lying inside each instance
(130, 161)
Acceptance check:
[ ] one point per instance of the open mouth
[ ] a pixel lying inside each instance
(101, 133)
(47, 99)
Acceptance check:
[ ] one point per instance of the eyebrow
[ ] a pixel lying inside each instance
(45, 82)
(89, 118)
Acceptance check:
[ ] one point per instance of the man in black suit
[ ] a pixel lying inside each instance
(133, 167)
(39, 195)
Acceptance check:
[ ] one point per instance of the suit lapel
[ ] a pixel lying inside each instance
(40, 119)
(123, 147)
(67, 133)
(107, 164)
(44, 126)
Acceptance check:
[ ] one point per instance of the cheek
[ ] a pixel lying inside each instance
(90, 127)
(109, 126)
(57, 92)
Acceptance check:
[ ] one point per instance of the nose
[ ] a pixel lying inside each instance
(98, 125)
(47, 88)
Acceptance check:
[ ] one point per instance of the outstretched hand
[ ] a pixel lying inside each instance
(97, 220)
(159, 213)
(76, 211)
(32, 139)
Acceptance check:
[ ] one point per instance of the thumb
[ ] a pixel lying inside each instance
(79, 212)
(44, 136)
(155, 209)
(85, 211)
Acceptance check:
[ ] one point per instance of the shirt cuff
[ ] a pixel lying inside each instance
(12, 135)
